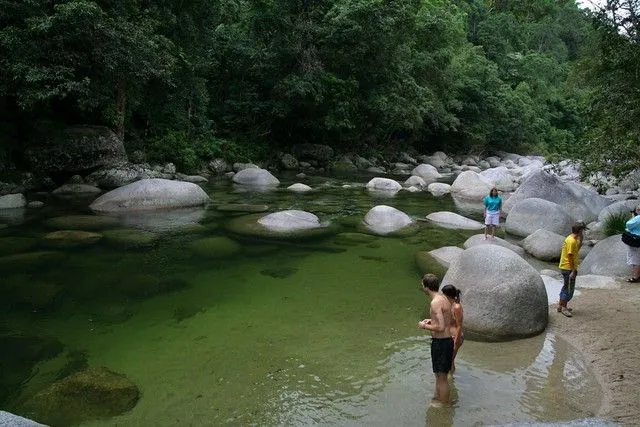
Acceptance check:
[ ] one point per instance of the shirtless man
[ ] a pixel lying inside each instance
(441, 340)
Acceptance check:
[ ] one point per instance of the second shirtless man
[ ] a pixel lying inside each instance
(441, 340)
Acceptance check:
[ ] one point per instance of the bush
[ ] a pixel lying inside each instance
(614, 223)
(188, 153)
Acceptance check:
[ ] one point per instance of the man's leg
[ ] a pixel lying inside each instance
(442, 388)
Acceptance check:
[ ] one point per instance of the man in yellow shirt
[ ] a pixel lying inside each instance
(569, 263)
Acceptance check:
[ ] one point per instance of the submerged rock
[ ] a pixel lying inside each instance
(129, 237)
(290, 220)
(12, 201)
(81, 222)
(93, 393)
(30, 260)
(71, 238)
(284, 225)
(15, 245)
(215, 247)
(242, 208)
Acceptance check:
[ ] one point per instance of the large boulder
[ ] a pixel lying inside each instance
(607, 258)
(619, 207)
(544, 245)
(427, 172)
(255, 177)
(438, 189)
(446, 255)
(529, 215)
(11, 420)
(501, 177)
(580, 203)
(454, 221)
(504, 297)
(383, 219)
(78, 149)
(478, 239)
(150, 194)
(470, 185)
(85, 395)
(283, 225)
(13, 201)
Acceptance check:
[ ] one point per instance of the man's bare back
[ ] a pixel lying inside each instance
(441, 315)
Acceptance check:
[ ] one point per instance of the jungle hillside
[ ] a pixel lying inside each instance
(187, 80)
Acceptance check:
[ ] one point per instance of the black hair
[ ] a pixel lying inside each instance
(452, 292)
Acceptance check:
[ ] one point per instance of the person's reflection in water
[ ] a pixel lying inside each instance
(440, 414)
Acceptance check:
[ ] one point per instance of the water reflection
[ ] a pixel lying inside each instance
(536, 380)
(162, 220)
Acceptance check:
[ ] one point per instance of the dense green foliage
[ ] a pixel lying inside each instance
(615, 223)
(188, 80)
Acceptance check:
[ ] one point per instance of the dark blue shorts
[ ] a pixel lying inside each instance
(441, 354)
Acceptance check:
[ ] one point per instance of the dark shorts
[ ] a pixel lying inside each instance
(441, 354)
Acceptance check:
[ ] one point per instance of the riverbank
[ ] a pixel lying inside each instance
(606, 329)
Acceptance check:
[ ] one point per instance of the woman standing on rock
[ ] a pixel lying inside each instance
(492, 209)
(457, 312)
(633, 253)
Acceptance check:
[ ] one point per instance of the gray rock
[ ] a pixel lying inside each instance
(415, 181)
(384, 184)
(427, 172)
(288, 162)
(579, 202)
(196, 179)
(454, 221)
(77, 149)
(500, 177)
(169, 168)
(150, 194)
(219, 166)
(255, 177)
(13, 201)
(446, 255)
(299, 188)
(607, 258)
(69, 189)
(343, 165)
(544, 245)
(115, 177)
(504, 297)
(622, 206)
(529, 215)
(362, 163)
(376, 169)
(8, 419)
(439, 189)
(35, 204)
(470, 186)
(383, 219)
(478, 239)
(291, 220)
(237, 167)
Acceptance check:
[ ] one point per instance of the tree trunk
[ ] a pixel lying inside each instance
(121, 102)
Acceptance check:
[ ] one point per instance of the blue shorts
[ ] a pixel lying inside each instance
(568, 286)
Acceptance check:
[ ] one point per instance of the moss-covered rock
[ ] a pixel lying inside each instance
(215, 247)
(93, 393)
(35, 294)
(71, 238)
(15, 245)
(21, 353)
(130, 237)
(82, 222)
(426, 263)
(30, 260)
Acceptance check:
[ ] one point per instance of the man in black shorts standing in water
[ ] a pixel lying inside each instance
(441, 340)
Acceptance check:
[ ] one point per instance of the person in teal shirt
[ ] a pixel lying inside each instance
(633, 254)
(492, 210)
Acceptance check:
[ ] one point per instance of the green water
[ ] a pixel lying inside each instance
(283, 333)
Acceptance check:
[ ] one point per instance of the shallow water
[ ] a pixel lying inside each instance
(306, 333)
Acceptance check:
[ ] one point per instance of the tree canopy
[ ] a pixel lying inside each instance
(187, 80)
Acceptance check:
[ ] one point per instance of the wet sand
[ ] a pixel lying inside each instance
(605, 327)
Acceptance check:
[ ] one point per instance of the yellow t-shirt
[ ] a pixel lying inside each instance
(571, 246)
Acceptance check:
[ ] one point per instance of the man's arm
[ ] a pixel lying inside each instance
(439, 324)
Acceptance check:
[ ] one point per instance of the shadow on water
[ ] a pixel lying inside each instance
(264, 332)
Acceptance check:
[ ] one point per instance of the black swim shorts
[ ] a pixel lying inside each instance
(441, 354)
